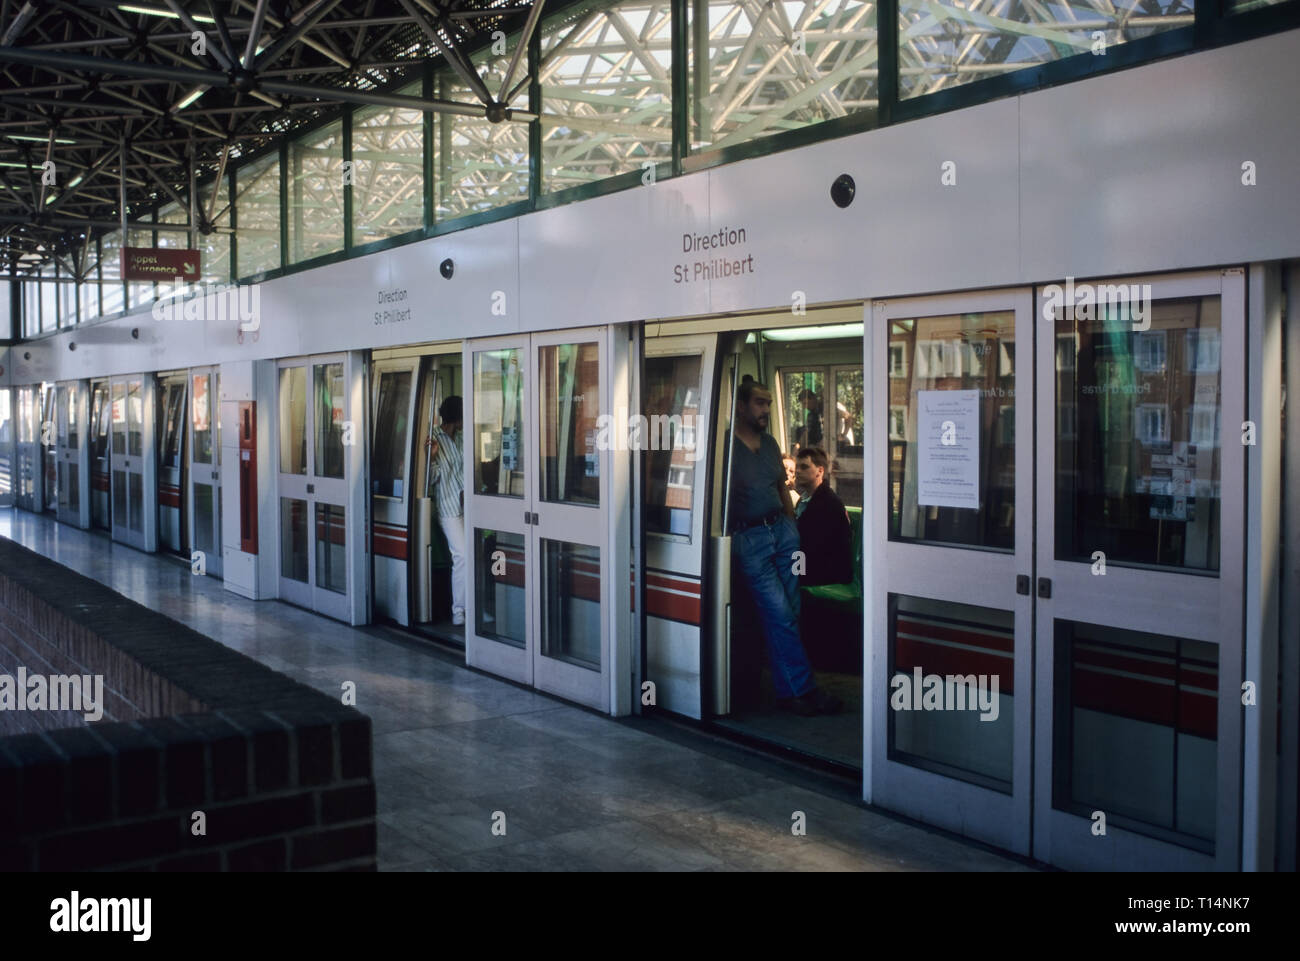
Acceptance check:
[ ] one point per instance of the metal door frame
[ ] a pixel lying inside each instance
(213, 470)
(1155, 601)
(961, 575)
(500, 512)
(334, 491)
(77, 393)
(145, 465)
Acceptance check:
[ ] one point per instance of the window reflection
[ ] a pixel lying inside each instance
(1137, 447)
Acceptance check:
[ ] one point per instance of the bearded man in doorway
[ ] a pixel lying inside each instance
(764, 542)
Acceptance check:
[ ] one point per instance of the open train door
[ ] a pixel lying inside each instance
(677, 402)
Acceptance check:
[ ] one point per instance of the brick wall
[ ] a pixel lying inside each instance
(280, 772)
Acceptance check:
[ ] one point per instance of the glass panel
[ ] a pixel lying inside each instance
(571, 603)
(135, 501)
(139, 292)
(119, 418)
(293, 539)
(607, 95)
(173, 423)
(293, 420)
(214, 248)
(388, 462)
(847, 441)
(329, 416)
(204, 521)
(73, 501)
(805, 400)
(110, 265)
(478, 165)
(316, 194)
(388, 171)
(134, 419)
(498, 423)
(49, 300)
(172, 214)
(569, 394)
(67, 302)
(119, 498)
(1136, 730)
(71, 400)
(946, 43)
(954, 411)
(201, 419)
(674, 445)
(749, 80)
(499, 589)
(951, 684)
(257, 202)
(1137, 448)
(6, 439)
(331, 548)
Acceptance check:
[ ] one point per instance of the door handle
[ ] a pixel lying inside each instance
(1022, 583)
(311, 488)
(1044, 587)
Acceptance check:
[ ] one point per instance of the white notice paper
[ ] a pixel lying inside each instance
(948, 461)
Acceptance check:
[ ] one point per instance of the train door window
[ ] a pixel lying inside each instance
(6, 441)
(50, 421)
(388, 460)
(569, 380)
(329, 419)
(498, 423)
(204, 469)
(671, 409)
(100, 421)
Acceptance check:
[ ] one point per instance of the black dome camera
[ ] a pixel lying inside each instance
(842, 190)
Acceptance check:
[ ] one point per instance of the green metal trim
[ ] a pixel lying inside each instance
(535, 106)
(426, 89)
(679, 83)
(284, 204)
(233, 271)
(347, 184)
(599, 188)
(886, 61)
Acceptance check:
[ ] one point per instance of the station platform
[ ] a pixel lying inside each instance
(453, 747)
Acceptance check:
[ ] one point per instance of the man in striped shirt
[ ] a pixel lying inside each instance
(447, 484)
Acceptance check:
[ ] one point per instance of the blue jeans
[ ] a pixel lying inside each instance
(766, 562)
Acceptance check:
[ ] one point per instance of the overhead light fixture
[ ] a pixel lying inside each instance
(190, 97)
(160, 12)
(13, 163)
(23, 136)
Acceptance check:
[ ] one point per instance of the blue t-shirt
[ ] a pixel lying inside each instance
(754, 477)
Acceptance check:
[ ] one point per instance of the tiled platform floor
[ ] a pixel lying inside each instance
(578, 791)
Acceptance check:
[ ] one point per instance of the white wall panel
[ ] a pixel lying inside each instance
(486, 260)
(1142, 169)
(905, 230)
(610, 259)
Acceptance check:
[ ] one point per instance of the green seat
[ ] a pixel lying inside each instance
(831, 615)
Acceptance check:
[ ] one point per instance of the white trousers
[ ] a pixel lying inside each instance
(454, 530)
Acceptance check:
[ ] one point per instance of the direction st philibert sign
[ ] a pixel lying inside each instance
(160, 264)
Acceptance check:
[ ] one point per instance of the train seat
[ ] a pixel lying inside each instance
(831, 615)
